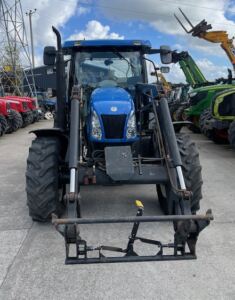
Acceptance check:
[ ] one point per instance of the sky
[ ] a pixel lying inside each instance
(137, 19)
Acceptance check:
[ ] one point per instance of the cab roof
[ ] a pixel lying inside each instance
(144, 44)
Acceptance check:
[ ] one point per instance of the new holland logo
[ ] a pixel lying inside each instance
(113, 108)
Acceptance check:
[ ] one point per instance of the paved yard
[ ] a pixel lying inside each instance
(32, 254)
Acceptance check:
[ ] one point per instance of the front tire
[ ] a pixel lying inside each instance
(205, 117)
(42, 179)
(192, 175)
(231, 134)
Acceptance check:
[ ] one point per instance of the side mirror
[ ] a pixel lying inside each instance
(165, 69)
(49, 55)
(166, 54)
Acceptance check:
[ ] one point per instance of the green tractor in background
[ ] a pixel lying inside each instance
(200, 97)
(218, 122)
(194, 79)
(212, 108)
(200, 101)
(178, 100)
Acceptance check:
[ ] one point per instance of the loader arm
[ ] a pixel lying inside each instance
(192, 73)
(225, 42)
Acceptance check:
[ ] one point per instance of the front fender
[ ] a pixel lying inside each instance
(54, 132)
(179, 124)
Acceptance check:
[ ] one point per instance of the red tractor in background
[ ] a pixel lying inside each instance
(16, 106)
(32, 105)
(35, 109)
(4, 111)
(23, 108)
(10, 119)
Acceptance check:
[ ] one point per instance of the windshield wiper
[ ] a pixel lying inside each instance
(124, 58)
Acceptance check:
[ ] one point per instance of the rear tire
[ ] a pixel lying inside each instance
(36, 116)
(27, 119)
(3, 123)
(204, 118)
(15, 121)
(42, 179)
(192, 175)
(231, 134)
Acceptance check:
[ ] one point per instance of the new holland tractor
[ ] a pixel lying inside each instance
(113, 128)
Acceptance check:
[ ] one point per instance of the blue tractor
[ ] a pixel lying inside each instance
(111, 128)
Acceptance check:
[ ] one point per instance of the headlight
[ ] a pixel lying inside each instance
(96, 131)
(193, 94)
(131, 126)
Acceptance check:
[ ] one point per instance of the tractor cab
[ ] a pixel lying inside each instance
(108, 72)
(111, 74)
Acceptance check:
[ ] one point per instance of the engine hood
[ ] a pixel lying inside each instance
(111, 100)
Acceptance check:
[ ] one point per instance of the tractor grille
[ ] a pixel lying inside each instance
(8, 105)
(114, 126)
(227, 106)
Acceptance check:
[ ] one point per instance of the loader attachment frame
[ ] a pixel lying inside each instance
(201, 30)
(201, 27)
(187, 229)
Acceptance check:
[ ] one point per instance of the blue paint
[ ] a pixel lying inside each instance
(110, 101)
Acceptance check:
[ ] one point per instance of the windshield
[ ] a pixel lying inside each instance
(99, 69)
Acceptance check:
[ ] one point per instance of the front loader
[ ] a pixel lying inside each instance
(113, 128)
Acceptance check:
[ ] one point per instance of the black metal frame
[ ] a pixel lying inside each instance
(183, 236)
